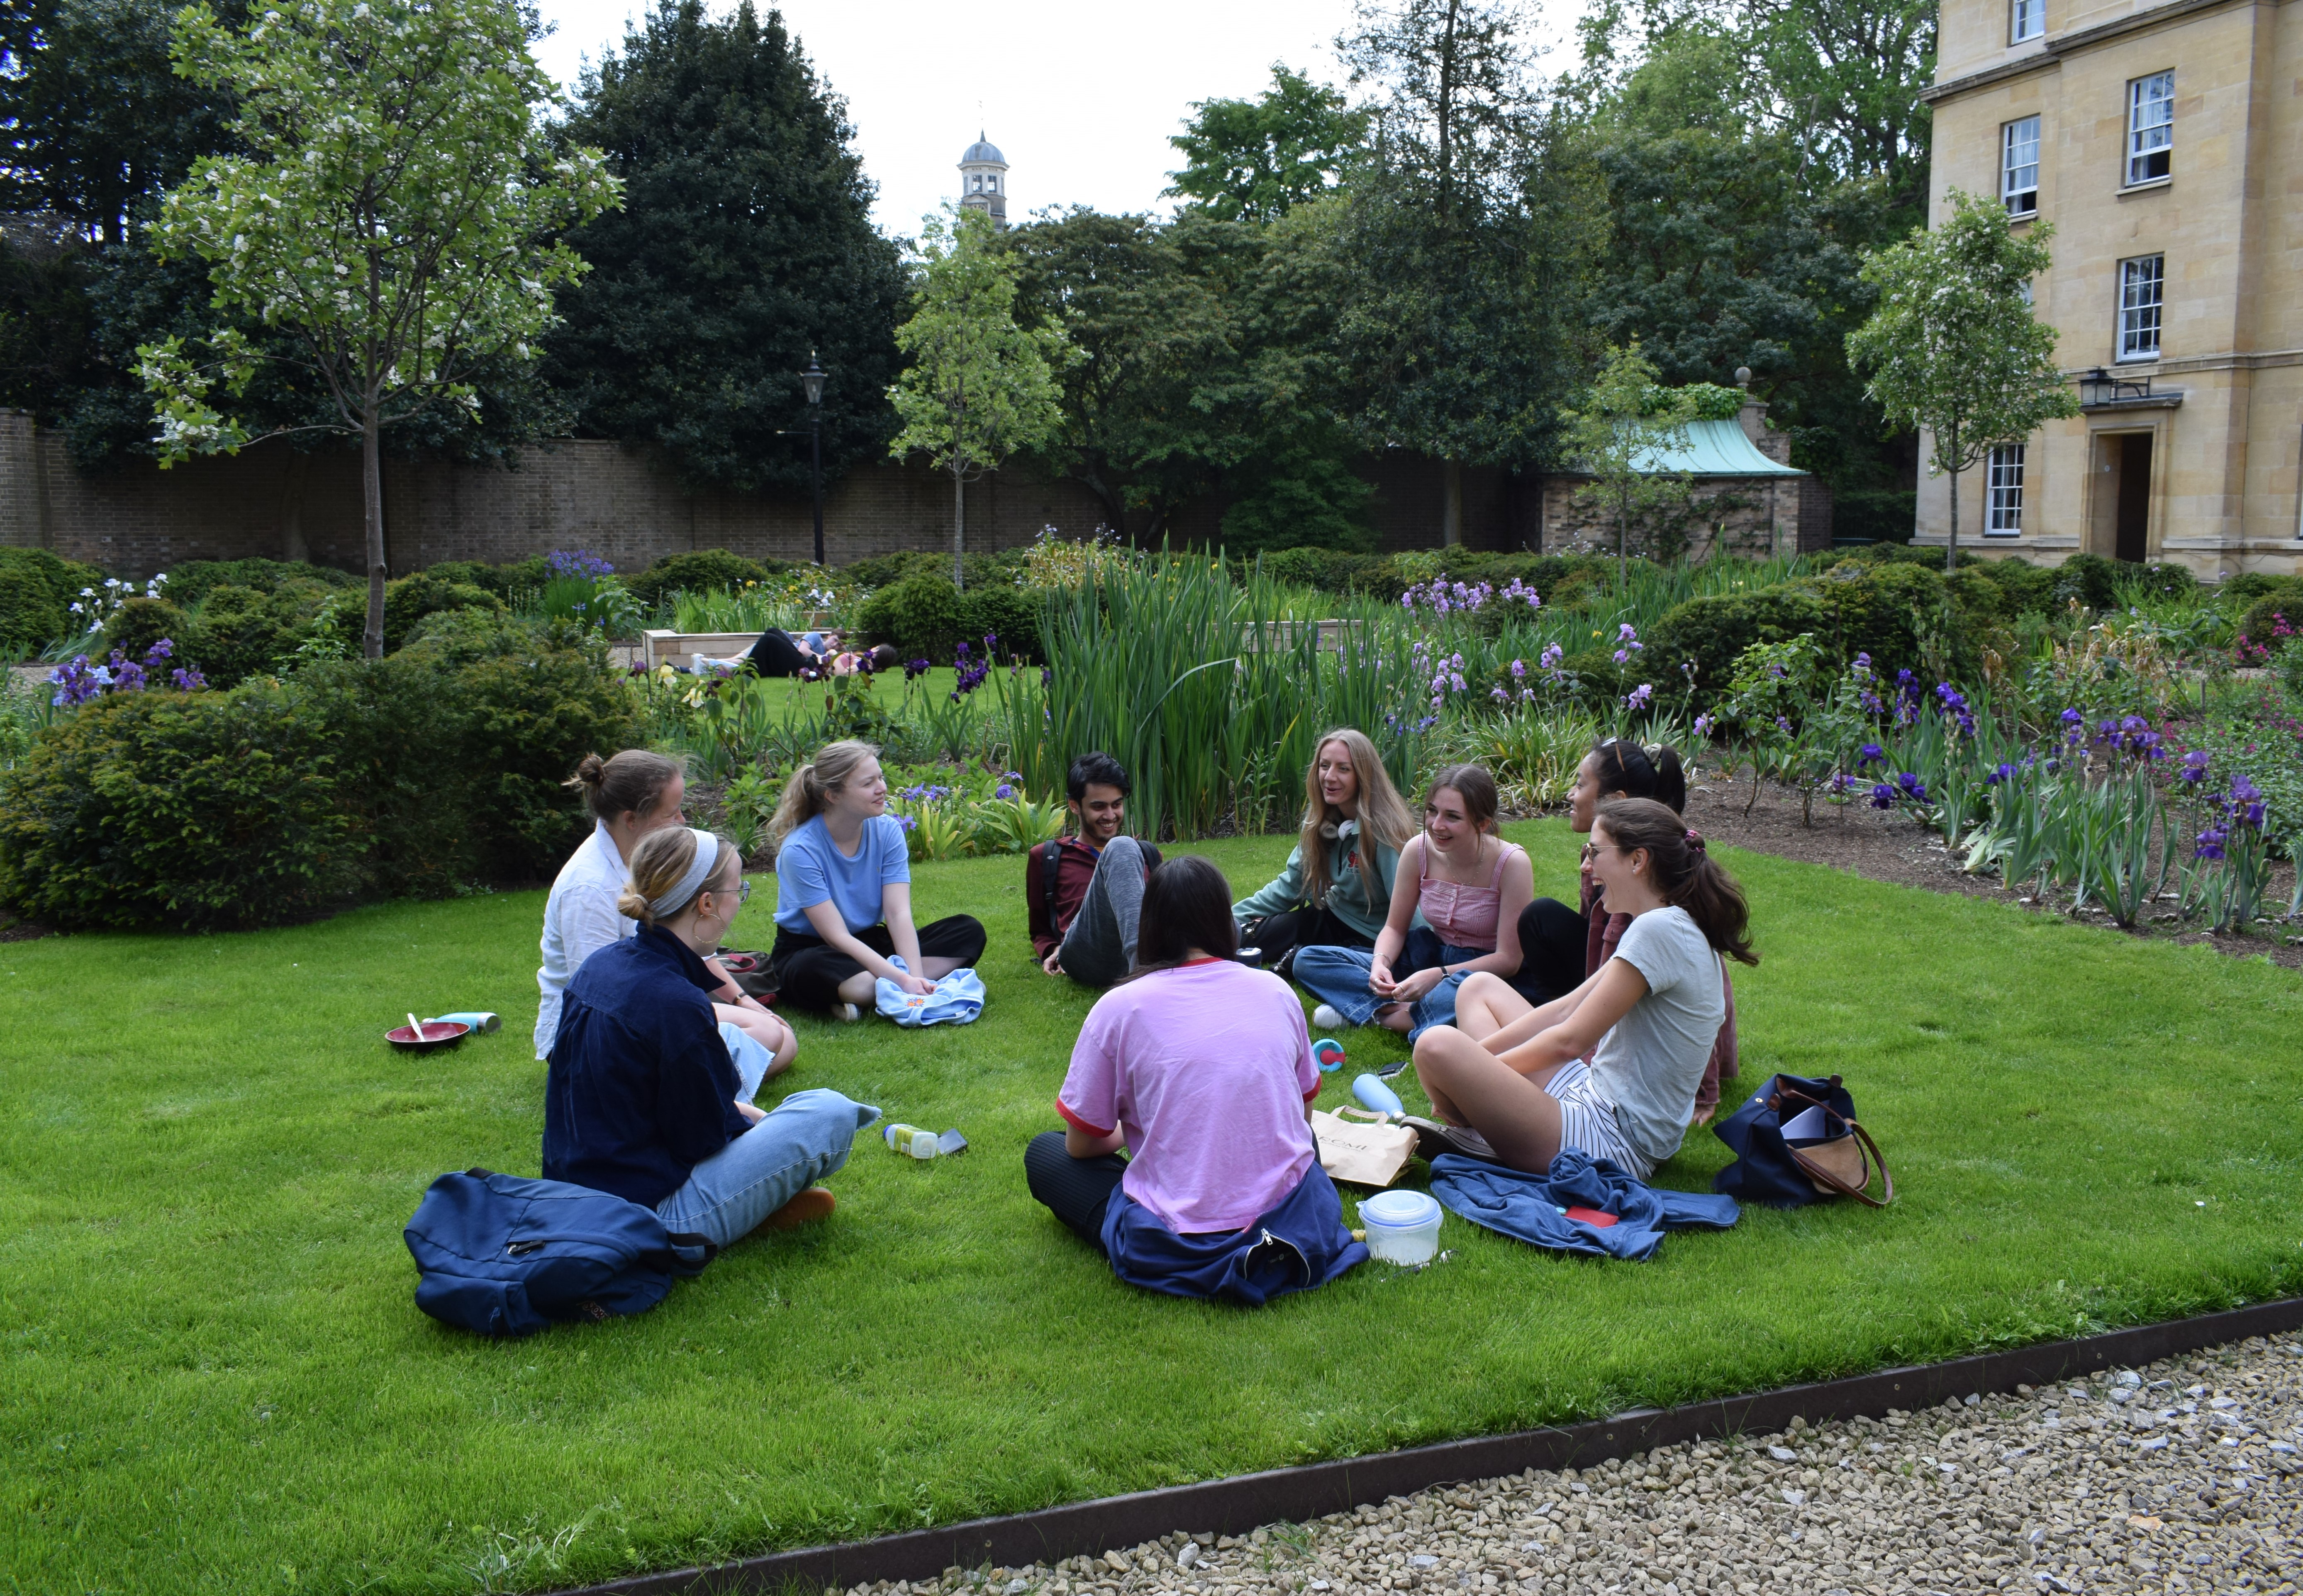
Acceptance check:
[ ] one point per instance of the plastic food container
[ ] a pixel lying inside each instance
(1402, 1226)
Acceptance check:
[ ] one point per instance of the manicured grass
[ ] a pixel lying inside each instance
(217, 1381)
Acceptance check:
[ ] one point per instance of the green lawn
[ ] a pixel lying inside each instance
(216, 1378)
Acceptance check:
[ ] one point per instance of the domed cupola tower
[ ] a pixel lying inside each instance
(984, 181)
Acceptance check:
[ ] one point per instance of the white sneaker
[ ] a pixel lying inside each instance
(1325, 1017)
(846, 1013)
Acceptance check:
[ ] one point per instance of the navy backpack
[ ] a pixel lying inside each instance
(504, 1256)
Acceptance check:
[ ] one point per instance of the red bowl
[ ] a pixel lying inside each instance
(438, 1033)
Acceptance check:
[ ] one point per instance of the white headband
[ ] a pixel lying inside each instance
(699, 870)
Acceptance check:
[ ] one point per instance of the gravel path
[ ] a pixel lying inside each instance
(2180, 1477)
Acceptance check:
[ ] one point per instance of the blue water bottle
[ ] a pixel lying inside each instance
(1374, 1094)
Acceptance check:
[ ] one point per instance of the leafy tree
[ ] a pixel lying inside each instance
(744, 246)
(1615, 437)
(1148, 328)
(1253, 160)
(96, 122)
(1850, 75)
(392, 211)
(980, 387)
(1954, 347)
(1449, 339)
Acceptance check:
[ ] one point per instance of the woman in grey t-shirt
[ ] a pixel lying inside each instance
(1646, 1021)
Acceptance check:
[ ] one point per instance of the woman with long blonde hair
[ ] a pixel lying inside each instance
(1336, 889)
(844, 891)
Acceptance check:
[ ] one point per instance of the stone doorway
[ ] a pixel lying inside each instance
(2122, 496)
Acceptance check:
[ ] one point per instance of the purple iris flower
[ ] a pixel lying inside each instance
(1870, 754)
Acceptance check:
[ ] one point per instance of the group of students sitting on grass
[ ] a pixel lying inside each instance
(1536, 1027)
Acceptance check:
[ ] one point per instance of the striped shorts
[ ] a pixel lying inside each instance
(1587, 1120)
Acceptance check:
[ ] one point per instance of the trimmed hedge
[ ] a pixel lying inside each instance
(695, 572)
(418, 774)
(195, 579)
(1710, 632)
(924, 616)
(36, 593)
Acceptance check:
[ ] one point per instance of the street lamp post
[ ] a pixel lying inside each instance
(812, 380)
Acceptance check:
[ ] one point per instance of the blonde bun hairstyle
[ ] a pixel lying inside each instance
(659, 863)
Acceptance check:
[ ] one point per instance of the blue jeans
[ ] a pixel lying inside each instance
(804, 1138)
(1338, 977)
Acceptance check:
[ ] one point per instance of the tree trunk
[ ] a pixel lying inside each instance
(1951, 549)
(372, 509)
(1447, 116)
(1623, 543)
(958, 523)
(1451, 501)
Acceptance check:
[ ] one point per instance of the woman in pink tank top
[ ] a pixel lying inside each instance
(1470, 888)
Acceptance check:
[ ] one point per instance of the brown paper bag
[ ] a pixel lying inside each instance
(1361, 1153)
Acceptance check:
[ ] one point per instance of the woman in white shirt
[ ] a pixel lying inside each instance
(629, 795)
(1646, 1020)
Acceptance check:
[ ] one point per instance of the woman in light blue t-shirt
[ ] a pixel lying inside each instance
(844, 893)
(1646, 1020)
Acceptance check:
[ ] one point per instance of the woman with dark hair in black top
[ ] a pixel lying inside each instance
(1554, 941)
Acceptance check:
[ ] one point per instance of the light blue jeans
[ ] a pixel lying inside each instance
(1338, 977)
(804, 1137)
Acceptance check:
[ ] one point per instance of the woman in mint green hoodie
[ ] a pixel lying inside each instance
(1337, 888)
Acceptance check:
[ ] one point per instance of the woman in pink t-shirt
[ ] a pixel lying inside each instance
(1201, 1068)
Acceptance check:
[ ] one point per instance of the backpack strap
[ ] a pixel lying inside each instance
(1051, 851)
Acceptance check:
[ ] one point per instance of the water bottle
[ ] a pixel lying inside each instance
(911, 1141)
(1374, 1094)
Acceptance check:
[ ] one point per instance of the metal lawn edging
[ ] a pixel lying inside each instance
(1234, 1506)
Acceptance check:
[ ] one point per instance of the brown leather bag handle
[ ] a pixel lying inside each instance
(1872, 1156)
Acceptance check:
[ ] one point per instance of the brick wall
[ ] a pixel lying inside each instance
(624, 504)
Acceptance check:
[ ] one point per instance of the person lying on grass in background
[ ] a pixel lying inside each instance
(1468, 885)
(1086, 892)
(630, 795)
(1515, 1072)
(775, 653)
(1201, 1068)
(1560, 946)
(1336, 889)
(844, 893)
(642, 1100)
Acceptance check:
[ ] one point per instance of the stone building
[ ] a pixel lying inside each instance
(2165, 141)
(984, 181)
(1748, 499)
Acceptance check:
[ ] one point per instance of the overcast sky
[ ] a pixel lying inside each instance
(1080, 98)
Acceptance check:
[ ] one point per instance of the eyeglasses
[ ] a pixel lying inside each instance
(743, 890)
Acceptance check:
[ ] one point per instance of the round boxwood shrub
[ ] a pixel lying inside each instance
(697, 571)
(195, 579)
(920, 615)
(139, 624)
(406, 602)
(205, 811)
(1710, 632)
(36, 593)
(2262, 622)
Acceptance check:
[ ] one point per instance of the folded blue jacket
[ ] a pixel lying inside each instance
(1300, 1244)
(1529, 1206)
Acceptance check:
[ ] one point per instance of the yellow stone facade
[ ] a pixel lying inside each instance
(2204, 468)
